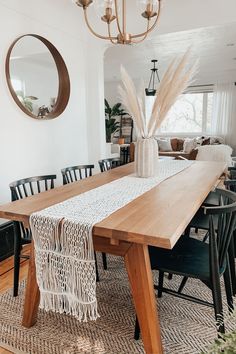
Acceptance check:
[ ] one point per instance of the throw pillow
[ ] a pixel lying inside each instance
(206, 141)
(164, 145)
(189, 145)
(215, 140)
(180, 145)
(174, 144)
(193, 154)
(215, 153)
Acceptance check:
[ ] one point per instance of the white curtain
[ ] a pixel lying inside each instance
(224, 113)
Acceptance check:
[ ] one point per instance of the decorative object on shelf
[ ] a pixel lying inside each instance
(126, 129)
(33, 63)
(43, 111)
(112, 125)
(115, 10)
(151, 90)
(174, 82)
(121, 141)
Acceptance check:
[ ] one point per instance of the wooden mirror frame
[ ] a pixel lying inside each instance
(63, 75)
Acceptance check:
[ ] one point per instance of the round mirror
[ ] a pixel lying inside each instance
(37, 77)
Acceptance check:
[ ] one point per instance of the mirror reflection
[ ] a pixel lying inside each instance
(34, 76)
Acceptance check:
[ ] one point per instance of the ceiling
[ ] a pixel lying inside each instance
(214, 46)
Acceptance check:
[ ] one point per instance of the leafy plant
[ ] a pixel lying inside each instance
(26, 100)
(111, 124)
(225, 343)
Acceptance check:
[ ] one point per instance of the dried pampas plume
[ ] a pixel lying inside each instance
(174, 82)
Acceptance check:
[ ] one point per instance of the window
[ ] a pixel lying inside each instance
(17, 85)
(191, 113)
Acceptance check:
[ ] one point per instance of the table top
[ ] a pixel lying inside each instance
(157, 218)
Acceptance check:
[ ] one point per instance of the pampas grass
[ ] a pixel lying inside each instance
(174, 82)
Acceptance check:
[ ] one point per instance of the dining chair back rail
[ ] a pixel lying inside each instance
(21, 189)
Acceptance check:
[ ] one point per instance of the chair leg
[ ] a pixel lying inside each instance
(217, 301)
(160, 283)
(104, 260)
(187, 231)
(205, 237)
(232, 266)
(96, 267)
(136, 330)
(182, 285)
(17, 250)
(228, 289)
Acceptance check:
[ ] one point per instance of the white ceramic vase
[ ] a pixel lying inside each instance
(146, 155)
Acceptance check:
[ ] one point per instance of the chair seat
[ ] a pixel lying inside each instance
(189, 257)
(201, 220)
(212, 199)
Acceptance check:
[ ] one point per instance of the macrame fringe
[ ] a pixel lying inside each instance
(65, 304)
(66, 275)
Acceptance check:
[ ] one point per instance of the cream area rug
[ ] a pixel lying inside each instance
(187, 328)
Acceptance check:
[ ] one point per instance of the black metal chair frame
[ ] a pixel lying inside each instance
(108, 164)
(75, 173)
(21, 189)
(219, 243)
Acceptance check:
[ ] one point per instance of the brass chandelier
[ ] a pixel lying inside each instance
(152, 9)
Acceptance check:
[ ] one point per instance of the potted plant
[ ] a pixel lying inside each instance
(26, 100)
(111, 123)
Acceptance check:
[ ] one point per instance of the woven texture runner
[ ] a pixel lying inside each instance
(62, 234)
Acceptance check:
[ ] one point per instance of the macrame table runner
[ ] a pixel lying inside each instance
(62, 234)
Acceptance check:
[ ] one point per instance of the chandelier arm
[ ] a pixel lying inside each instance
(109, 33)
(92, 31)
(152, 27)
(117, 17)
(124, 15)
(145, 35)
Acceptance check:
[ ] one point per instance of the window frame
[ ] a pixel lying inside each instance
(205, 90)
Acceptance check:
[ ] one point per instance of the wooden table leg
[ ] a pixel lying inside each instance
(32, 295)
(140, 276)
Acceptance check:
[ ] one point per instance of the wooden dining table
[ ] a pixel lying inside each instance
(157, 218)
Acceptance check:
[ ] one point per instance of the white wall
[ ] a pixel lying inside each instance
(30, 147)
(111, 89)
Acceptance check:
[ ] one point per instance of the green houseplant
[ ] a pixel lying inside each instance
(225, 343)
(26, 100)
(111, 124)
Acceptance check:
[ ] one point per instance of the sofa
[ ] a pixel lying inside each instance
(180, 147)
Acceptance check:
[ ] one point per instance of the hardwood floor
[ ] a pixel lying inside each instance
(6, 278)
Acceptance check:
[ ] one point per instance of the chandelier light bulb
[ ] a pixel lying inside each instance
(114, 11)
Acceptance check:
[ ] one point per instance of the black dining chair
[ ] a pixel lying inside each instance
(192, 258)
(108, 164)
(76, 173)
(20, 189)
(232, 172)
(201, 221)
